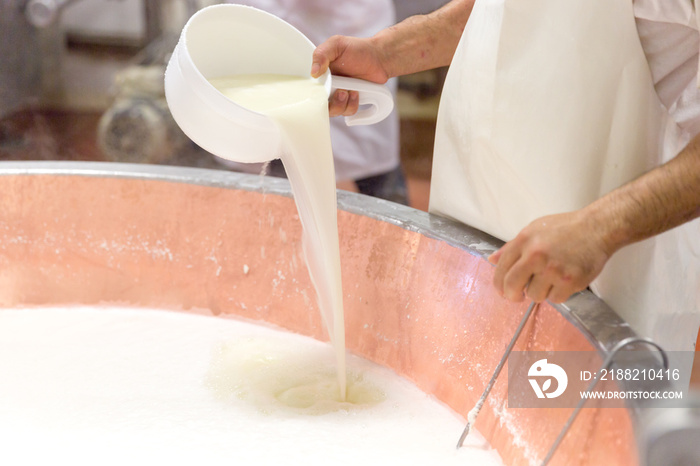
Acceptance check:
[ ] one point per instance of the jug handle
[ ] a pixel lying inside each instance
(376, 101)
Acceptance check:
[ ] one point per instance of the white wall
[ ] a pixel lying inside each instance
(106, 19)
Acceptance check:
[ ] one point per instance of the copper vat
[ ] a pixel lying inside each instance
(418, 294)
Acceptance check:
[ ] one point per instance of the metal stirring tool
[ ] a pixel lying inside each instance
(471, 417)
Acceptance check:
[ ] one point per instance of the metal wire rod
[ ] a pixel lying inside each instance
(471, 417)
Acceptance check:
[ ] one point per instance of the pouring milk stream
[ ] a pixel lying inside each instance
(238, 85)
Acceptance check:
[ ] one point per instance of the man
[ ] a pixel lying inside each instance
(560, 134)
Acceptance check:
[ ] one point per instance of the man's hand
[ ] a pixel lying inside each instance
(418, 43)
(550, 259)
(348, 56)
(558, 255)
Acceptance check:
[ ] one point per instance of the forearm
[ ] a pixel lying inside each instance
(423, 42)
(557, 255)
(657, 201)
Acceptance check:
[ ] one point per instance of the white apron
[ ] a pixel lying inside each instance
(549, 104)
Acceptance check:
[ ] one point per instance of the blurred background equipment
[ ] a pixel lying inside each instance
(20, 74)
(82, 80)
(669, 433)
(43, 13)
(138, 127)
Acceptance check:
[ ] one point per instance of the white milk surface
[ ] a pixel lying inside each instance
(134, 386)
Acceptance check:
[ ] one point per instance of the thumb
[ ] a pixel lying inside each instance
(320, 61)
(493, 258)
(319, 65)
(324, 55)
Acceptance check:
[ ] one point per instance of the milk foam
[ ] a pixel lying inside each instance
(137, 386)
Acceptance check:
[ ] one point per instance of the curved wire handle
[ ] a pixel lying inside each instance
(606, 365)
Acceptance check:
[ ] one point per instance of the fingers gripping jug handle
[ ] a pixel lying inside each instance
(376, 101)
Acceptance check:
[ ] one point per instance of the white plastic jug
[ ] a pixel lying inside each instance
(224, 40)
